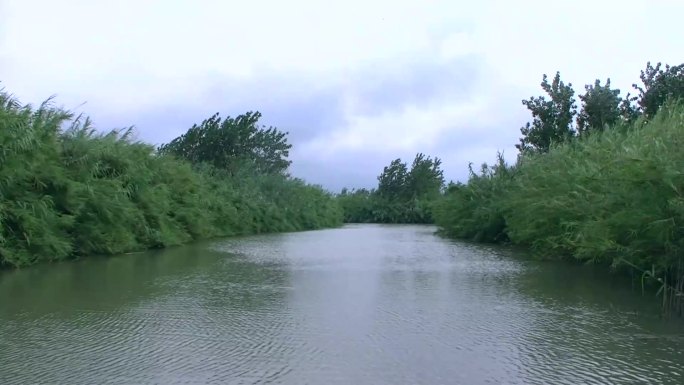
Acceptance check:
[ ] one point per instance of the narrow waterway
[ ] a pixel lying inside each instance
(364, 304)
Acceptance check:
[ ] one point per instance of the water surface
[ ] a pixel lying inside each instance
(364, 304)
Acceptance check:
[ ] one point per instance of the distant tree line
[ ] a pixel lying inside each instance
(403, 195)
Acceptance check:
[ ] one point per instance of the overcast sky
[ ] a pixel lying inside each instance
(356, 83)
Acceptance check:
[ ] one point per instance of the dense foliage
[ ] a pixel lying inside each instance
(403, 195)
(68, 191)
(609, 192)
(600, 108)
(234, 144)
(552, 119)
(658, 86)
(472, 211)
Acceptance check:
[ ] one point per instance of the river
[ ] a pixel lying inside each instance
(363, 304)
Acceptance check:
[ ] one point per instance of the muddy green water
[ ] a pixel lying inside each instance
(364, 304)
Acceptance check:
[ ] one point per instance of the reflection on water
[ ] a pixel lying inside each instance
(365, 304)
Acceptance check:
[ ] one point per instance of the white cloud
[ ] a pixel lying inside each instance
(143, 50)
(162, 49)
(457, 45)
(127, 58)
(584, 39)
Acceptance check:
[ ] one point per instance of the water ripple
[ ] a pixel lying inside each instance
(360, 305)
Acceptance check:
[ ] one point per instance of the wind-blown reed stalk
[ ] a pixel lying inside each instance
(67, 191)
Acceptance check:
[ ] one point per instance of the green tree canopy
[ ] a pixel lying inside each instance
(233, 144)
(600, 107)
(392, 181)
(552, 119)
(403, 195)
(658, 86)
(426, 177)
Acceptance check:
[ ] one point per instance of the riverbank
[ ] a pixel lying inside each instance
(67, 191)
(612, 198)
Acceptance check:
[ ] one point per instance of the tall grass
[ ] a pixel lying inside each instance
(68, 191)
(613, 198)
(473, 211)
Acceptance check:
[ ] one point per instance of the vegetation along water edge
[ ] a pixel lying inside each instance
(599, 182)
(603, 184)
(68, 191)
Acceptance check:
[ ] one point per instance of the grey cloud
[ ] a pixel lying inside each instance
(306, 110)
(501, 131)
(416, 83)
(355, 170)
(284, 103)
(360, 169)
(156, 126)
(304, 117)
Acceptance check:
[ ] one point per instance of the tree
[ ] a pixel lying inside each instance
(425, 178)
(392, 181)
(233, 144)
(402, 196)
(600, 107)
(552, 119)
(659, 86)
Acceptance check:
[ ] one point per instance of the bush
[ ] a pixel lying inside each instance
(614, 197)
(67, 191)
(473, 211)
